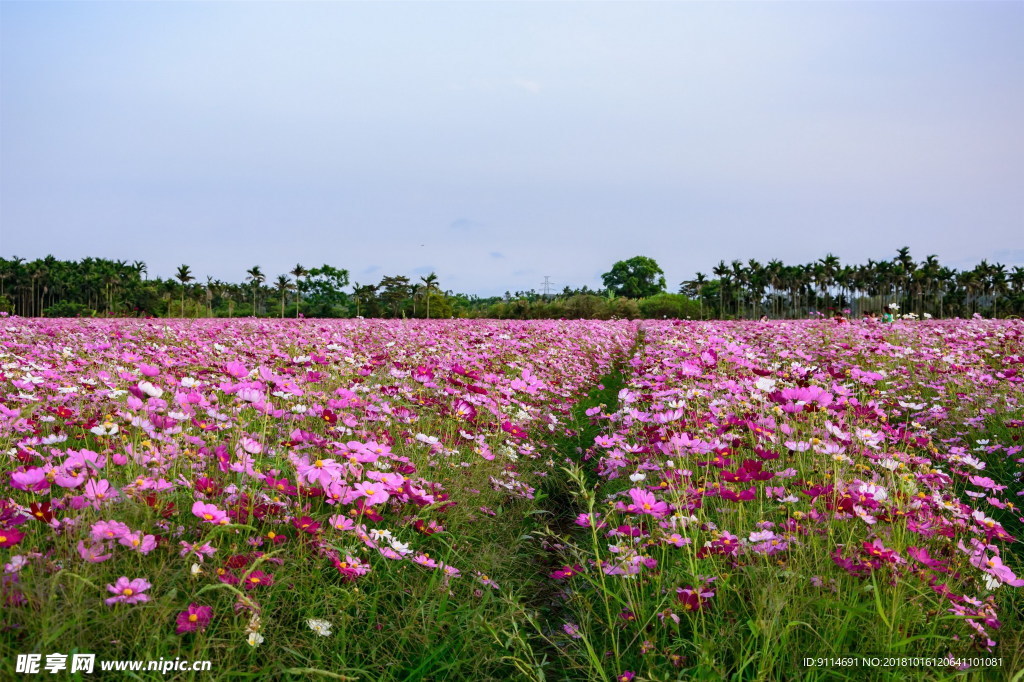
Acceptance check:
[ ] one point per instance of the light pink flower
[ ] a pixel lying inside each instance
(128, 591)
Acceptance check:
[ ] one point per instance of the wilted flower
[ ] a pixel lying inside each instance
(320, 627)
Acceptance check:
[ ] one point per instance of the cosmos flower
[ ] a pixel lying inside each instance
(128, 591)
(320, 627)
(209, 513)
(194, 618)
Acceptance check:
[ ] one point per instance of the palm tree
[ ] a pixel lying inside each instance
(827, 274)
(905, 269)
(298, 272)
(756, 278)
(695, 288)
(997, 284)
(184, 275)
(429, 284)
(256, 276)
(722, 272)
(282, 285)
(930, 272)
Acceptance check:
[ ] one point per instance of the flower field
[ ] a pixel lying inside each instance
(469, 499)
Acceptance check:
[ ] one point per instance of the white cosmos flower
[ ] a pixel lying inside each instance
(320, 627)
(254, 639)
(150, 390)
(105, 429)
(637, 477)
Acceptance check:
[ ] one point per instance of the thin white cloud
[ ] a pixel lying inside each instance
(531, 86)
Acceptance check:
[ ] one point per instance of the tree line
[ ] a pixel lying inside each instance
(779, 290)
(633, 288)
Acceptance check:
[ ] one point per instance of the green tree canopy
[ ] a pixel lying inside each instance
(322, 287)
(637, 277)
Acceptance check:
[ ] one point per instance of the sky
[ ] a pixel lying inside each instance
(496, 143)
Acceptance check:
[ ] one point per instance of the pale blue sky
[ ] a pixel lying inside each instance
(498, 142)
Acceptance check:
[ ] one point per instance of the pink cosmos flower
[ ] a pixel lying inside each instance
(194, 618)
(143, 544)
(99, 492)
(109, 529)
(94, 551)
(484, 580)
(210, 513)
(351, 568)
(201, 551)
(995, 567)
(374, 492)
(128, 591)
(644, 502)
(322, 471)
(341, 522)
(236, 370)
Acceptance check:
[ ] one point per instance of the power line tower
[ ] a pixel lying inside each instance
(547, 286)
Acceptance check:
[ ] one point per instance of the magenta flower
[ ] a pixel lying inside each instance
(693, 599)
(351, 568)
(566, 572)
(305, 524)
(194, 618)
(258, 579)
(128, 591)
(10, 537)
(644, 502)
